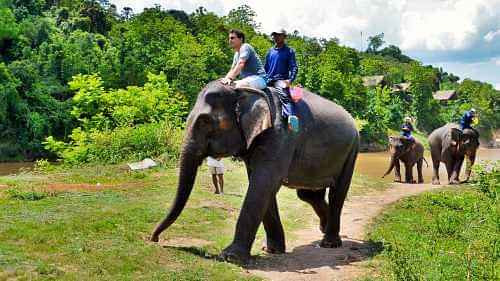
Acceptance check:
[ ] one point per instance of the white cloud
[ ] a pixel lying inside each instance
(413, 25)
(496, 60)
(491, 35)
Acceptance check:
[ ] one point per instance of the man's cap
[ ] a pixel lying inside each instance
(279, 31)
(407, 119)
(472, 110)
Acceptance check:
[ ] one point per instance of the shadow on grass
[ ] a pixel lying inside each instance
(307, 258)
(197, 251)
(304, 259)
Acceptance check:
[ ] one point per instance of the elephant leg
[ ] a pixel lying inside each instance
(449, 169)
(275, 235)
(435, 172)
(263, 186)
(420, 176)
(397, 171)
(336, 198)
(454, 179)
(408, 173)
(468, 166)
(317, 200)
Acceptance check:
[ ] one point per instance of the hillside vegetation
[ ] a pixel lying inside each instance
(77, 77)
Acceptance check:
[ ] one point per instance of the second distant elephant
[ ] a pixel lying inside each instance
(410, 154)
(450, 145)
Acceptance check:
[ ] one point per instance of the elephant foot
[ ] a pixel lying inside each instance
(420, 181)
(273, 250)
(154, 238)
(435, 182)
(274, 247)
(454, 182)
(331, 243)
(235, 254)
(397, 180)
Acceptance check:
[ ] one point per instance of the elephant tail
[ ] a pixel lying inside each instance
(427, 164)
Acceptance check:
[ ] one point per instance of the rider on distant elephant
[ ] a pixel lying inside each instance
(281, 68)
(467, 119)
(246, 63)
(406, 129)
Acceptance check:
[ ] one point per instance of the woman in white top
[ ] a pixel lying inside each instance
(216, 168)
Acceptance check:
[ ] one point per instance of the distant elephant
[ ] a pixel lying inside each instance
(402, 150)
(450, 145)
(247, 123)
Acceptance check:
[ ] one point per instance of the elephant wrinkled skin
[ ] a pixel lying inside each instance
(247, 123)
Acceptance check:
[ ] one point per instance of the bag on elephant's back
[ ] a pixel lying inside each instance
(296, 94)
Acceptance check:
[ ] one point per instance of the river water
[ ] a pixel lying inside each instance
(370, 164)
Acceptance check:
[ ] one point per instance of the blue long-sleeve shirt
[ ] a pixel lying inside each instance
(281, 64)
(466, 120)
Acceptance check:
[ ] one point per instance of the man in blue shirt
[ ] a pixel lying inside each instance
(467, 118)
(281, 69)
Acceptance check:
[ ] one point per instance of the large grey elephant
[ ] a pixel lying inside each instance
(247, 123)
(410, 154)
(451, 145)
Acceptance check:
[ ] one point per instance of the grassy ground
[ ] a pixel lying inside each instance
(448, 235)
(92, 223)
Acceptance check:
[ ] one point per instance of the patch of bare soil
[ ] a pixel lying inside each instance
(181, 242)
(305, 260)
(86, 186)
(2, 186)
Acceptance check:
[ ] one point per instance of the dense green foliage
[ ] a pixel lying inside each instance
(62, 62)
(447, 235)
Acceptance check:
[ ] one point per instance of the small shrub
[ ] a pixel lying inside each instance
(487, 179)
(26, 195)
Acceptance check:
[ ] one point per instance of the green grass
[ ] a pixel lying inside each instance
(448, 235)
(92, 222)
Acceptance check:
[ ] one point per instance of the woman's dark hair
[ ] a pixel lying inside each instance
(238, 33)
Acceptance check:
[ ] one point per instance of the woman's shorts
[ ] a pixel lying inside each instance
(216, 170)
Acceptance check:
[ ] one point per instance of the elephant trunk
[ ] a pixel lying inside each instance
(189, 163)
(391, 166)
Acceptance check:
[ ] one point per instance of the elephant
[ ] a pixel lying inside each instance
(450, 145)
(247, 123)
(402, 149)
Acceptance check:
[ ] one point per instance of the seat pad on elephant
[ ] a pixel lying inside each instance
(267, 93)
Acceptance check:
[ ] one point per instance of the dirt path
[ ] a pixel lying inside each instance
(306, 261)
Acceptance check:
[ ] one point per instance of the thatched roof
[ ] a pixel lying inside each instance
(401, 87)
(373, 81)
(445, 95)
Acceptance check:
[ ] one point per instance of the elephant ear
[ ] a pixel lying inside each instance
(253, 113)
(456, 134)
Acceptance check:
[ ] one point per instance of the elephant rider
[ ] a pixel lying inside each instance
(281, 69)
(407, 129)
(467, 119)
(246, 63)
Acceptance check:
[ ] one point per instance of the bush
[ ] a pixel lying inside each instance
(447, 235)
(123, 143)
(487, 179)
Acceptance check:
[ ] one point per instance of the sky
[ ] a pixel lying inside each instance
(461, 36)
